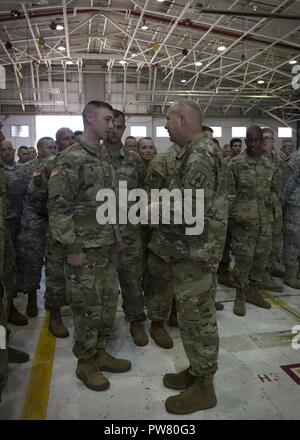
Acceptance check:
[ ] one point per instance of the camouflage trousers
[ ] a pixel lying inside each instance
(55, 295)
(194, 293)
(130, 277)
(14, 228)
(291, 243)
(9, 270)
(146, 277)
(277, 240)
(92, 292)
(252, 249)
(225, 260)
(32, 242)
(161, 292)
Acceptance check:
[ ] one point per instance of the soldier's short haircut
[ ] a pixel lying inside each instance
(189, 105)
(207, 128)
(268, 130)
(39, 145)
(234, 140)
(254, 128)
(118, 113)
(130, 137)
(148, 138)
(91, 107)
(23, 147)
(60, 132)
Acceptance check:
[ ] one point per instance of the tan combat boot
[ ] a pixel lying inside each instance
(290, 278)
(239, 308)
(106, 362)
(180, 381)
(138, 333)
(253, 296)
(160, 335)
(32, 308)
(88, 372)
(269, 284)
(56, 326)
(198, 397)
(173, 321)
(15, 317)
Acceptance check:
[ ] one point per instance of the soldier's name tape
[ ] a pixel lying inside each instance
(162, 206)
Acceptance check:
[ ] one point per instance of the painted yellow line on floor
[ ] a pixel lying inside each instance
(282, 304)
(37, 395)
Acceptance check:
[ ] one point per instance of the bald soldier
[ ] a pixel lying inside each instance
(55, 296)
(90, 247)
(194, 258)
(251, 208)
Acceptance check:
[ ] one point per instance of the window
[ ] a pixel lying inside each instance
(138, 131)
(47, 125)
(284, 132)
(21, 131)
(161, 132)
(217, 132)
(238, 132)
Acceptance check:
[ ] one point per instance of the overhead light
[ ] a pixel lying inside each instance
(260, 81)
(134, 54)
(236, 90)
(183, 81)
(144, 26)
(292, 62)
(61, 48)
(221, 47)
(198, 63)
(160, 1)
(69, 62)
(59, 27)
(123, 62)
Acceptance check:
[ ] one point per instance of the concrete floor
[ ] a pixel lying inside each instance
(250, 383)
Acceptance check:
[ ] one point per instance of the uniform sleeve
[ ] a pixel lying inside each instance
(234, 211)
(38, 190)
(63, 187)
(277, 182)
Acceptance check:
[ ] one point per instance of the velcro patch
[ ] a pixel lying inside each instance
(55, 172)
(198, 180)
(159, 169)
(36, 173)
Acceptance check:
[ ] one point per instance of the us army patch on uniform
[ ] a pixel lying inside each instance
(55, 172)
(198, 180)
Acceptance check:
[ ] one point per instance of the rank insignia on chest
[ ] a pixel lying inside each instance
(198, 180)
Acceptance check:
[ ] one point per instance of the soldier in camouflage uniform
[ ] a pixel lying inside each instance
(38, 197)
(193, 258)
(250, 189)
(291, 222)
(129, 168)
(161, 290)
(274, 265)
(90, 247)
(14, 193)
(33, 229)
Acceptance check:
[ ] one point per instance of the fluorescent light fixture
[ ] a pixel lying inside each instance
(221, 47)
(236, 90)
(160, 1)
(292, 62)
(260, 81)
(183, 81)
(198, 63)
(61, 48)
(59, 27)
(69, 62)
(144, 26)
(123, 62)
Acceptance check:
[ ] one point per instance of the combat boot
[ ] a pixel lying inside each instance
(180, 381)
(160, 335)
(106, 362)
(32, 308)
(239, 307)
(138, 333)
(277, 270)
(224, 277)
(256, 298)
(291, 277)
(198, 397)
(16, 356)
(268, 283)
(56, 326)
(88, 372)
(173, 321)
(219, 306)
(15, 317)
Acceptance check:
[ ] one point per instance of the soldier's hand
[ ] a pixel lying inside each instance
(77, 260)
(248, 224)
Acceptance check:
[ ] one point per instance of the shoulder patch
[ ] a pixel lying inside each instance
(55, 172)
(159, 169)
(198, 180)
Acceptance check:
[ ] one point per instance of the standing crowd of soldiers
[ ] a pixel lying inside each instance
(48, 213)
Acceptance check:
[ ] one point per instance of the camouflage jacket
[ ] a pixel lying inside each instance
(73, 185)
(251, 182)
(160, 170)
(2, 216)
(14, 191)
(198, 166)
(291, 190)
(277, 185)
